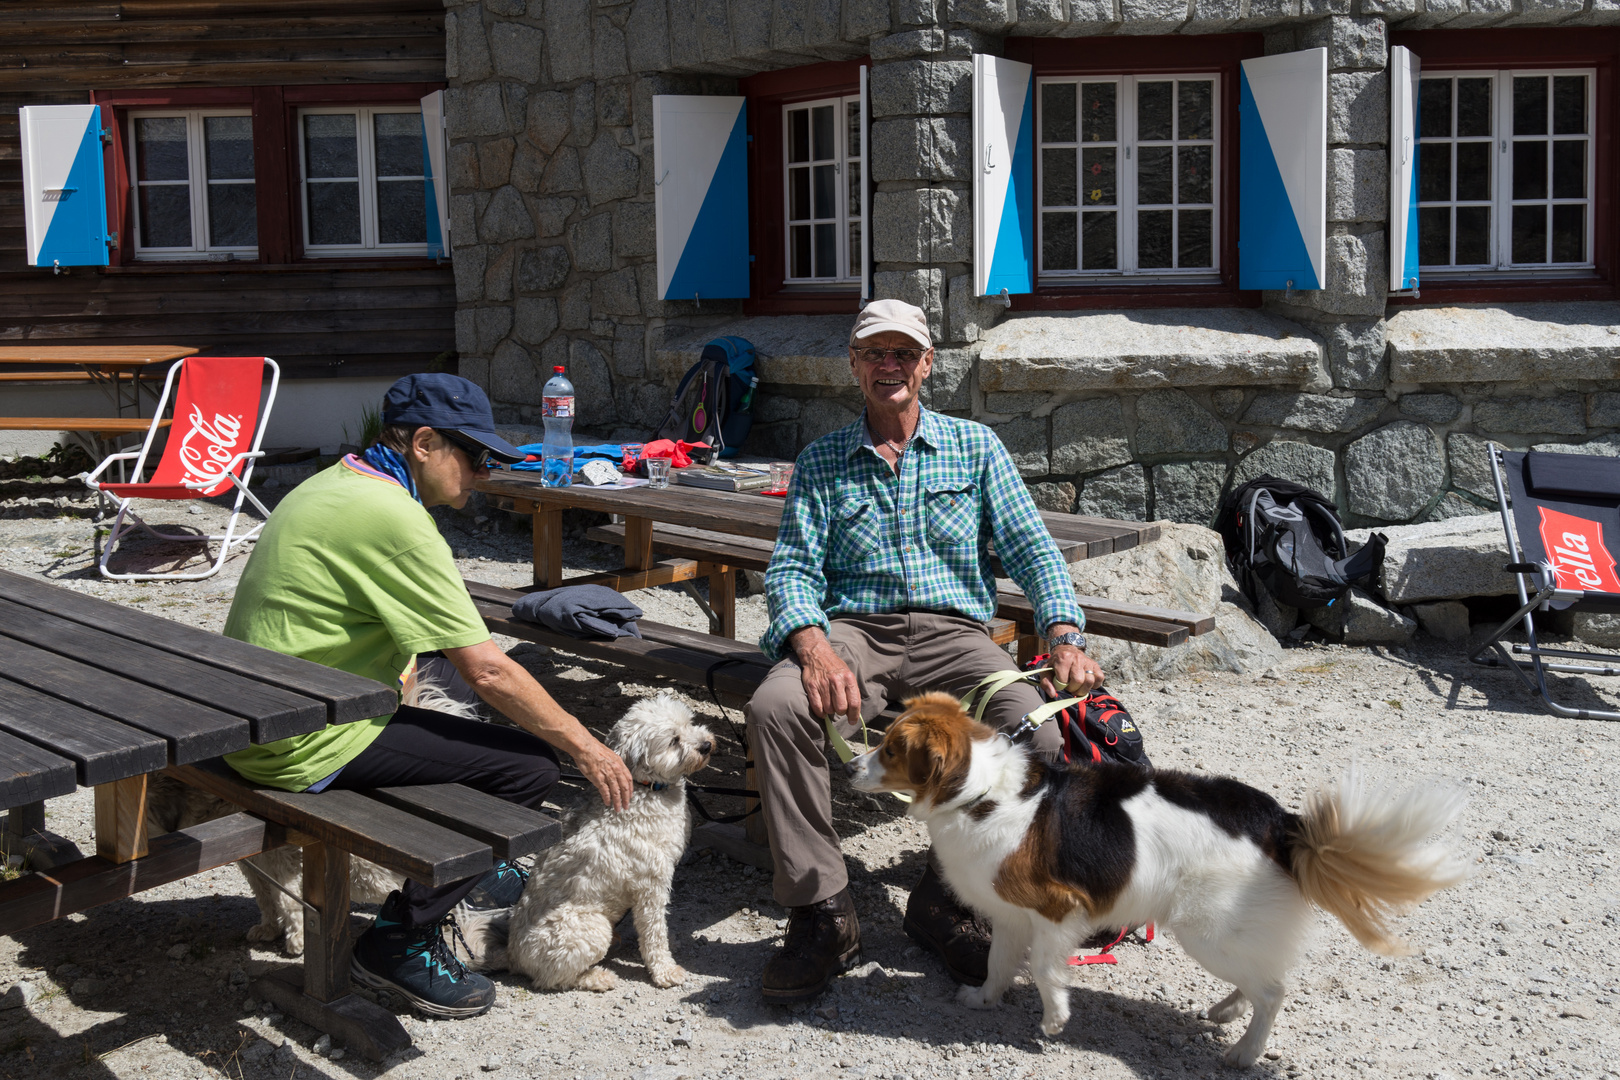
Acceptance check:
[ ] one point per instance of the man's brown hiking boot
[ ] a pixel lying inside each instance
(939, 922)
(823, 939)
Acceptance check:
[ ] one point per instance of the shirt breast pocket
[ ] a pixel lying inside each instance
(854, 532)
(952, 510)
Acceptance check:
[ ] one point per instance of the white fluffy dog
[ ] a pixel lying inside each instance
(609, 863)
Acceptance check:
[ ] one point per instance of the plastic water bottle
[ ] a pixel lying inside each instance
(557, 408)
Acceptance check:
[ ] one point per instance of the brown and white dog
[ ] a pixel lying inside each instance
(1051, 855)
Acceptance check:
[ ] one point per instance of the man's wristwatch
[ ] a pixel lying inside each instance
(1070, 638)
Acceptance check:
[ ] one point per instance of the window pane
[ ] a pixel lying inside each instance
(852, 111)
(1569, 169)
(1196, 238)
(1569, 105)
(1153, 110)
(798, 194)
(399, 143)
(821, 125)
(165, 215)
(232, 216)
(1059, 243)
(401, 212)
(1474, 236)
(799, 135)
(1097, 175)
(799, 251)
(1473, 170)
(1153, 175)
(329, 146)
(1474, 107)
(1098, 233)
(1196, 118)
(1569, 234)
(228, 142)
(1153, 245)
(1058, 178)
(1529, 234)
(1530, 106)
(826, 190)
(1098, 112)
(1530, 170)
(1434, 172)
(1434, 235)
(160, 148)
(827, 250)
(854, 188)
(855, 268)
(1057, 112)
(1434, 99)
(334, 213)
(1193, 183)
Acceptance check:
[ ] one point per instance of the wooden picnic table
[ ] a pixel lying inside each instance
(109, 366)
(97, 695)
(737, 514)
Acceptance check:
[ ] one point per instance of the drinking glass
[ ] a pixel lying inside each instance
(658, 472)
(781, 473)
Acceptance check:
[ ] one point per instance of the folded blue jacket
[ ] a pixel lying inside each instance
(582, 611)
(611, 452)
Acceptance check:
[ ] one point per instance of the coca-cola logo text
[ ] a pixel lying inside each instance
(1579, 557)
(207, 450)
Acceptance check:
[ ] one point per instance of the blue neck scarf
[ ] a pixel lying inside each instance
(386, 459)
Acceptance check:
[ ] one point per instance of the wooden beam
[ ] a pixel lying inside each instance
(510, 830)
(638, 543)
(630, 578)
(547, 547)
(326, 922)
(121, 819)
(722, 595)
(753, 826)
(353, 1022)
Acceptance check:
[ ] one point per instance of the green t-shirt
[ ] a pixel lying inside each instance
(350, 572)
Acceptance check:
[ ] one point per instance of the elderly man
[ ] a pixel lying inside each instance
(351, 572)
(880, 587)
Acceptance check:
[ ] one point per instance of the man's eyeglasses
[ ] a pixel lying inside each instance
(875, 356)
(480, 457)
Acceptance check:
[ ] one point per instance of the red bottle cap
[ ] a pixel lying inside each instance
(558, 368)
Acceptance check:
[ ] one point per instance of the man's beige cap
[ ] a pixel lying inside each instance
(882, 315)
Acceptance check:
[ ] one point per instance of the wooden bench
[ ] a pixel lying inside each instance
(103, 427)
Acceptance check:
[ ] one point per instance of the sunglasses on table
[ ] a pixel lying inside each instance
(876, 356)
(480, 457)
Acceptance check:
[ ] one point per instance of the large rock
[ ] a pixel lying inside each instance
(1119, 493)
(1089, 435)
(1512, 343)
(1442, 560)
(1313, 412)
(1184, 569)
(1600, 630)
(1170, 422)
(1471, 464)
(1358, 619)
(1393, 472)
(1444, 619)
(1188, 491)
(1300, 462)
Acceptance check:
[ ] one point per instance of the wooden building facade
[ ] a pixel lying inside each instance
(260, 198)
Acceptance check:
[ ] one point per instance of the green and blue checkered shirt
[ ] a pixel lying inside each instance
(858, 539)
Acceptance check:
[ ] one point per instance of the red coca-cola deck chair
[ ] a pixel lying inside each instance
(212, 444)
(1567, 509)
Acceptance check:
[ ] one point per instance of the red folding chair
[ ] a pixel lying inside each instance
(217, 428)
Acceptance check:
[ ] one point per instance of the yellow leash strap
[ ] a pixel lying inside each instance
(846, 753)
(979, 697)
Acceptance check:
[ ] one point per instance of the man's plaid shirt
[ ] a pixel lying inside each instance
(857, 539)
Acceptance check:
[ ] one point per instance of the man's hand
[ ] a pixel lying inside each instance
(828, 683)
(606, 770)
(1073, 670)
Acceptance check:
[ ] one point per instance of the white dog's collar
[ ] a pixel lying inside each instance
(656, 786)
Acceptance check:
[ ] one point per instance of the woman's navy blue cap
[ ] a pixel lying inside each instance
(447, 403)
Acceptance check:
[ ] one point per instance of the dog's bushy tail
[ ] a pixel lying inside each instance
(1361, 853)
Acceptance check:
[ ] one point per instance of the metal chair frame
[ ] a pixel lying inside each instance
(229, 538)
(1546, 593)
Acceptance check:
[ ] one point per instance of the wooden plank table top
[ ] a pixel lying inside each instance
(101, 357)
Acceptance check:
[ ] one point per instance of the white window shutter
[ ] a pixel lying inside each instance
(1003, 176)
(435, 178)
(1282, 171)
(64, 187)
(866, 185)
(1404, 69)
(700, 162)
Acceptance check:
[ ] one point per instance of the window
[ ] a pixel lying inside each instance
(361, 181)
(193, 184)
(822, 143)
(1505, 170)
(1127, 176)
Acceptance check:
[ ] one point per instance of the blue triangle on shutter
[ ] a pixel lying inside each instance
(1012, 267)
(1409, 258)
(715, 259)
(78, 236)
(1271, 248)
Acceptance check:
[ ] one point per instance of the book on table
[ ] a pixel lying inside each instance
(726, 476)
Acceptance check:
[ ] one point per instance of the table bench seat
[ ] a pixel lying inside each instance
(104, 426)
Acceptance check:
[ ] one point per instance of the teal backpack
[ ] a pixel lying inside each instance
(715, 399)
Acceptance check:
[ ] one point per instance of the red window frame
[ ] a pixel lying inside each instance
(767, 94)
(1587, 47)
(1167, 55)
(275, 161)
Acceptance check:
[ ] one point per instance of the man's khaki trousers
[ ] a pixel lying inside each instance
(893, 656)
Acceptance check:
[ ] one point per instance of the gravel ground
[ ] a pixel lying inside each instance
(1515, 972)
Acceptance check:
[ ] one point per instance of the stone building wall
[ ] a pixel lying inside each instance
(1146, 413)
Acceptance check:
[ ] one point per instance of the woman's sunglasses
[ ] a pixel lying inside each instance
(876, 355)
(480, 457)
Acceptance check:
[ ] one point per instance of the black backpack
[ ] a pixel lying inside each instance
(1097, 729)
(715, 399)
(1288, 538)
